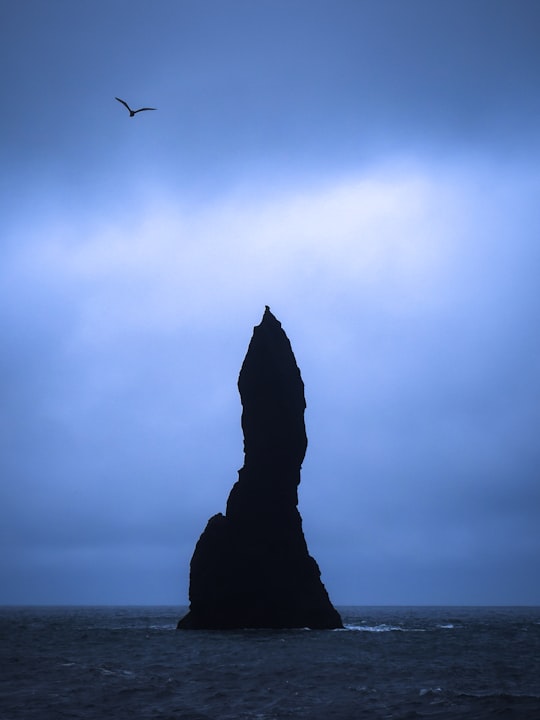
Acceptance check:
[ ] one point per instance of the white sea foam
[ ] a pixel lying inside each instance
(105, 671)
(165, 626)
(374, 628)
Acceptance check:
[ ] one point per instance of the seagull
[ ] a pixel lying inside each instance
(132, 112)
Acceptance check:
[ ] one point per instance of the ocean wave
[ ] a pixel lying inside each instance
(381, 628)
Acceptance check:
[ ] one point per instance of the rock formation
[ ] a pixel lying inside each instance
(251, 567)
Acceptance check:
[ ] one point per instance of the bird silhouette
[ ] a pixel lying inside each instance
(132, 112)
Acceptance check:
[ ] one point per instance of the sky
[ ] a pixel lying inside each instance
(367, 168)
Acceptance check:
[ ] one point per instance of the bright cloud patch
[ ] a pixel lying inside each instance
(383, 236)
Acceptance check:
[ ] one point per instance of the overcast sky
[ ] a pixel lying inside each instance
(369, 169)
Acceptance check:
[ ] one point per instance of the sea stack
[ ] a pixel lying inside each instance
(251, 567)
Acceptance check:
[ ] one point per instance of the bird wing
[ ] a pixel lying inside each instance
(141, 109)
(123, 103)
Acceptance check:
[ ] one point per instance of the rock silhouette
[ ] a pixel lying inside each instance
(251, 567)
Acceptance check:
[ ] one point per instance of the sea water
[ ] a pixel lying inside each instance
(389, 662)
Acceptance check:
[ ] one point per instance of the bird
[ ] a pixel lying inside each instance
(132, 112)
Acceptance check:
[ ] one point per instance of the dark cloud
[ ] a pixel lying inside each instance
(367, 169)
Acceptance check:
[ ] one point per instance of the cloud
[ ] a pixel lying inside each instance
(408, 295)
(161, 266)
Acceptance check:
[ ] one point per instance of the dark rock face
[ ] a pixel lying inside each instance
(251, 567)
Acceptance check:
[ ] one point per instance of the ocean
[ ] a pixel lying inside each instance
(396, 663)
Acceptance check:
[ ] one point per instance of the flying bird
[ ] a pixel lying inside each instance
(132, 112)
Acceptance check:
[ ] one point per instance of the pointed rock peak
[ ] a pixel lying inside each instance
(269, 317)
(251, 567)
